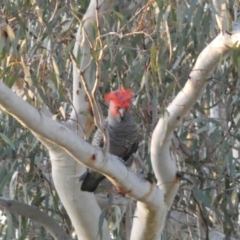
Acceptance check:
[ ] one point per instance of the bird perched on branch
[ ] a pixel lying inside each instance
(122, 130)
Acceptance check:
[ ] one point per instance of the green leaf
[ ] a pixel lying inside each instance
(100, 224)
(153, 58)
(8, 141)
(201, 197)
(10, 228)
(119, 15)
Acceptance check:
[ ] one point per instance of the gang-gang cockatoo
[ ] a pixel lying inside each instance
(123, 133)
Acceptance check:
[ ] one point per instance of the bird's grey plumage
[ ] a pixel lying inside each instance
(123, 138)
(122, 135)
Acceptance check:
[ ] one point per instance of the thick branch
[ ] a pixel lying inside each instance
(147, 193)
(36, 215)
(82, 207)
(164, 166)
(84, 47)
(80, 150)
(78, 204)
(89, 156)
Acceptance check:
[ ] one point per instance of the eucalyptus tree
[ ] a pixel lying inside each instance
(58, 60)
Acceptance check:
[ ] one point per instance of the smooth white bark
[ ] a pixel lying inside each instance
(81, 151)
(152, 206)
(82, 207)
(163, 165)
(66, 148)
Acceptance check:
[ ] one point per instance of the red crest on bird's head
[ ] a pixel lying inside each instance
(121, 97)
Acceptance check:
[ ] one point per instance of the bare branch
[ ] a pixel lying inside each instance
(82, 151)
(36, 215)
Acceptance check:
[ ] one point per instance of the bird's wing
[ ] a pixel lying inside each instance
(130, 151)
(98, 137)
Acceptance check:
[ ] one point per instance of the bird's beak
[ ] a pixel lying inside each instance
(121, 112)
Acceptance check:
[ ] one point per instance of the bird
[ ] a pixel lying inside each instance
(122, 130)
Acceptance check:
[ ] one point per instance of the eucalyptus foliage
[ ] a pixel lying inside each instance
(151, 48)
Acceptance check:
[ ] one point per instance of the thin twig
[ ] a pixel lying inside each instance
(136, 14)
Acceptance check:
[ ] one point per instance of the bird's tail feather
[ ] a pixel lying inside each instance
(90, 181)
